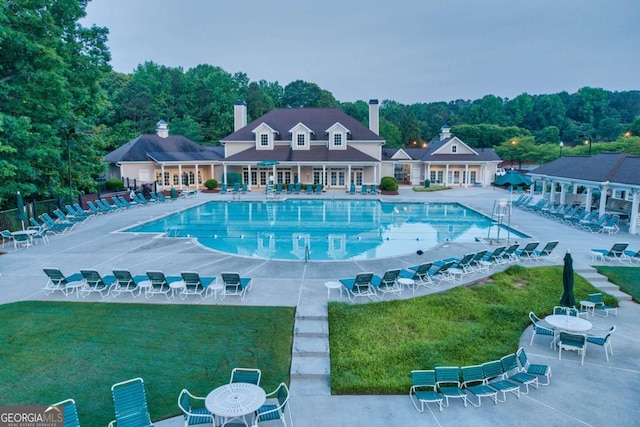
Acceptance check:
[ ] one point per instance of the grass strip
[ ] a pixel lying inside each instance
(627, 278)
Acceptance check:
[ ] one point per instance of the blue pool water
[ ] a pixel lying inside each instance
(324, 229)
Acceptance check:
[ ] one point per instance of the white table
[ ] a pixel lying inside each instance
(177, 286)
(565, 323)
(407, 282)
(333, 285)
(234, 401)
(144, 285)
(29, 233)
(588, 305)
(72, 287)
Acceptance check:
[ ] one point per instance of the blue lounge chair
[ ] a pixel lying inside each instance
(297, 188)
(546, 252)
(616, 253)
(161, 284)
(244, 189)
(233, 284)
(318, 189)
(514, 373)
(130, 404)
(196, 285)
(423, 389)
(448, 383)
(309, 188)
(56, 281)
(363, 189)
(70, 412)
(352, 189)
(595, 224)
(528, 252)
(473, 381)
(223, 189)
(360, 286)
(373, 189)
(279, 188)
(632, 257)
(290, 188)
(125, 282)
(387, 283)
(495, 377)
(94, 282)
(420, 274)
(600, 305)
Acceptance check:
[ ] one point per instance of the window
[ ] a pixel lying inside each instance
(474, 178)
(176, 179)
(454, 148)
(337, 139)
(167, 178)
(192, 178)
(264, 140)
(199, 177)
(300, 139)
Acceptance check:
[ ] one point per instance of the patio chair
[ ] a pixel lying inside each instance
(125, 282)
(590, 217)
(475, 262)
(448, 383)
(279, 188)
(491, 260)
(388, 282)
(528, 252)
(609, 227)
(309, 189)
(245, 375)
(40, 233)
(275, 407)
(373, 189)
(576, 218)
(21, 240)
(546, 252)
(223, 188)
(616, 253)
(441, 273)
(360, 286)
(565, 311)
(473, 380)
(70, 412)
(537, 329)
(6, 236)
(124, 202)
(495, 378)
(130, 404)
(423, 389)
(352, 189)
(161, 284)
(318, 189)
(533, 368)
(290, 188)
(244, 189)
(56, 281)
(598, 300)
(508, 255)
(588, 226)
(233, 284)
(94, 208)
(603, 341)
(297, 188)
(363, 189)
(197, 414)
(419, 274)
(94, 282)
(632, 257)
(572, 342)
(196, 285)
(513, 373)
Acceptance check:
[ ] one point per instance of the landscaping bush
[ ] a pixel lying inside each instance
(211, 184)
(113, 184)
(388, 183)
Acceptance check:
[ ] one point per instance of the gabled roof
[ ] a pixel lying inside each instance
(317, 153)
(317, 120)
(429, 154)
(173, 148)
(613, 167)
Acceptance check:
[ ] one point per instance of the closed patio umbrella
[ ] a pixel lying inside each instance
(269, 163)
(567, 300)
(513, 178)
(21, 215)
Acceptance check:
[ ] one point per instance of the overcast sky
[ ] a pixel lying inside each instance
(404, 50)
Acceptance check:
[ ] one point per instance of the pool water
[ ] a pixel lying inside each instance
(325, 229)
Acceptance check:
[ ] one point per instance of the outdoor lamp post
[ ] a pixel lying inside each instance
(561, 145)
(587, 141)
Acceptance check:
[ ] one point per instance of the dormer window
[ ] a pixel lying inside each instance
(264, 140)
(300, 137)
(265, 136)
(454, 148)
(337, 139)
(300, 140)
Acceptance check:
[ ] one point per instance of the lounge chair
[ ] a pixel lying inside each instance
(161, 284)
(441, 272)
(600, 305)
(448, 383)
(290, 188)
(609, 227)
(514, 373)
(360, 286)
(130, 404)
(70, 412)
(590, 217)
(533, 368)
(297, 188)
(491, 259)
(196, 285)
(245, 375)
(275, 407)
(603, 341)
(546, 252)
(632, 257)
(475, 262)
(279, 188)
(572, 342)
(528, 252)
(473, 380)
(616, 253)
(233, 284)
(94, 208)
(423, 389)
(595, 225)
(94, 282)
(495, 378)
(352, 189)
(373, 189)
(223, 188)
(419, 274)
(125, 282)
(388, 282)
(309, 188)
(59, 282)
(318, 189)
(193, 409)
(363, 190)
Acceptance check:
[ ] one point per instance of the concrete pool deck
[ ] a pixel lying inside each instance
(598, 393)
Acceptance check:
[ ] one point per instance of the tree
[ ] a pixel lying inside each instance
(634, 127)
(186, 127)
(258, 102)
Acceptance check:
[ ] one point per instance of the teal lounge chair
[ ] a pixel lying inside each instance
(297, 188)
(387, 283)
(360, 286)
(95, 283)
(161, 284)
(448, 383)
(223, 189)
(318, 189)
(352, 189)
(279, 188)
(533, 368)
(233, 284)
(515, 374)
(616, 253)
(70, 412)
(473, 380)
(420, 274)
(423, 389)
(309, 188)
(363, 189)
(125, 282)
(6, 237)
(196, 285)
(600, 305)
(373, 189)
(59, 282)
(290, 188)
(130, 404)
(495, 377)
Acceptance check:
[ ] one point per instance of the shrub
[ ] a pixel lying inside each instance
(388, 183)
(211, 184)
(113, 184)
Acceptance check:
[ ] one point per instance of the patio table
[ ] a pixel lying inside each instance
(235, 400)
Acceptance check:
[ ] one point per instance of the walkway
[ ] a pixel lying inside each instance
(577, 395)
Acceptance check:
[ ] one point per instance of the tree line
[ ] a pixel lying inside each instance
(61, 104)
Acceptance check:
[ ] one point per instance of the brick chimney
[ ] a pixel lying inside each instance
(162, 129)
(239, 115)
(374, 116)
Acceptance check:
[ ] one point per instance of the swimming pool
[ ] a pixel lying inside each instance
(321, 230)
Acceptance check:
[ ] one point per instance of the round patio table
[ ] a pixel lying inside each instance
(234, 401)
(566, 323)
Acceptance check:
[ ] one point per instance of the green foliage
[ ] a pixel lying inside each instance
(431, 188)
(113, 184)
(485, 135)
(211, 184)
(117, 350)
(388, 183)
(430, 331)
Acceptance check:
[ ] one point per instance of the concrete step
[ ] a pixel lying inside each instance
(310, 347)
(311, 328)
(620, 295)
(312, 312)
(310, 368)
(310, 387)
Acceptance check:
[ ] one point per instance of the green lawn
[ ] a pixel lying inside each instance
(50, 351)
(627, 278)
(375, 346)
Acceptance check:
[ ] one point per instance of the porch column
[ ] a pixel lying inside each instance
(532, 187)
(428, 172)
(544, 188)
(603, 198)
(563, 192)
(324, 175)
(162, 173)
(213, 175)
(299, 175)
(349, 176)
(466, 175)
(180, 176)
(446, 174)
(249, 177)
(552, 193)
(587, 202)
(196, 177)
(224, 173)
(633, 218)
(375, 173)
